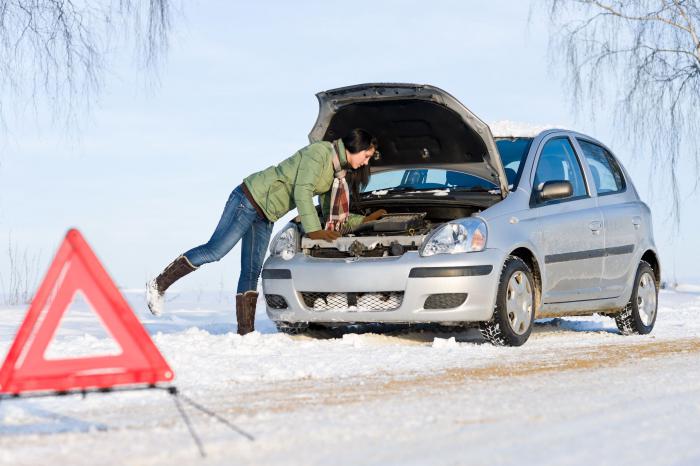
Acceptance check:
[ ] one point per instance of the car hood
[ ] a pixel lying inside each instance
(416, 125)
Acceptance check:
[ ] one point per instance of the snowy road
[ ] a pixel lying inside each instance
(576, 393)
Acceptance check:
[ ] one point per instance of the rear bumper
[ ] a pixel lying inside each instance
(475, 274)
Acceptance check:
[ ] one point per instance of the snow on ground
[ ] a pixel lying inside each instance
(517, 129)
(576, 393)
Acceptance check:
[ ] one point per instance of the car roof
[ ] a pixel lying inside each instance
(575, 134)
(506, 129)
(516, 129)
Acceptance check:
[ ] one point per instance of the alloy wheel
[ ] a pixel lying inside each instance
(646, 298)
(519, 299)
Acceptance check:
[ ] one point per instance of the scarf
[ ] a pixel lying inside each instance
(340, 195)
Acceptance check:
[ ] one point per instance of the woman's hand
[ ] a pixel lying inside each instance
(327, 235)
(376, 215)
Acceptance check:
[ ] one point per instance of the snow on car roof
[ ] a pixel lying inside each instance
(517, 129)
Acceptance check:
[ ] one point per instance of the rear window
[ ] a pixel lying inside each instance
(607, 174)
(513, 152)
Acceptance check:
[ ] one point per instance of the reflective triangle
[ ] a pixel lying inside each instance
(76, 269)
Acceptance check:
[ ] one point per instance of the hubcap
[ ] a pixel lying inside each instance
(646, 298)
(519, 302)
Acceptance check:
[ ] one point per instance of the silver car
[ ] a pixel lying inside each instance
(481, 230)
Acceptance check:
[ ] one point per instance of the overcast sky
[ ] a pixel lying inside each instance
(154, 164)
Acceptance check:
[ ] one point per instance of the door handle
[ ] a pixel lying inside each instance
(595, 226)
(637, 222)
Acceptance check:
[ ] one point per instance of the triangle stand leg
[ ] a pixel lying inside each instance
(178, 398)
(173, 391)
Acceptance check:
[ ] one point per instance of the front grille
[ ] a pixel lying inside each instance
(275, 301)
(444, 300)
(373, 301)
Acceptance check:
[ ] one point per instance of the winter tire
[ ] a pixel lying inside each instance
(514, 314)
(639, 315)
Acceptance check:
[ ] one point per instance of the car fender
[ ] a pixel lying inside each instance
(508, 234)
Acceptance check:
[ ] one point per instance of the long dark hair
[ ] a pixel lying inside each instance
(356, 141)
(357, 179)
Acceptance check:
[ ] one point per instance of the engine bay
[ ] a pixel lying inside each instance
(392, 235)
(393, 224)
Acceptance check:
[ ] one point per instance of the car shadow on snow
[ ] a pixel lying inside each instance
(413, 333)
(571, 325)
(426, 333)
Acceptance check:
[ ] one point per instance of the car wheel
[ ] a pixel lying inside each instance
(639, 316)
(292, 328)
(514, 314)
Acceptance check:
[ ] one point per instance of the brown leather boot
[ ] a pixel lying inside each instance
(245, 311)
(156, 287)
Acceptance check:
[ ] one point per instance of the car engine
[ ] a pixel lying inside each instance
(402, 223)
(391, 235)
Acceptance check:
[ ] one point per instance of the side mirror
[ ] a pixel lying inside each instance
(554, 190)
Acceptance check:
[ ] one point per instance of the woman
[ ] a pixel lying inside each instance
(266, 196)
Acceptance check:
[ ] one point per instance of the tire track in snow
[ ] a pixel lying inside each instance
(299, 394)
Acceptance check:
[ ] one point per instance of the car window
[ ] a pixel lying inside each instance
(513, 152)
(606, 173)
(558, 162)
(426, 178)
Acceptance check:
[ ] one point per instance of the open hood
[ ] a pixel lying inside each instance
(416, 125)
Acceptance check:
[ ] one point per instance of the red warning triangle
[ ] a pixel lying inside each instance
(76, 269)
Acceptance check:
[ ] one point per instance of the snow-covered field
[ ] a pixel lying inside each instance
(576, 393)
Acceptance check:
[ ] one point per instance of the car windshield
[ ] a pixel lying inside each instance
(513, 152)
(425, 179)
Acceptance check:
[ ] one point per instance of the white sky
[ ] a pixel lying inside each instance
(154, 165)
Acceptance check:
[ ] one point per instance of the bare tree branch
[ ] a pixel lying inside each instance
(643, 55)
(656, 16)
(58, 50)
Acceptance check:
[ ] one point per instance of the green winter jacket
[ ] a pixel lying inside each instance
(294, 183)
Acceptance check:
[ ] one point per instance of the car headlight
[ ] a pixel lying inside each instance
(464, 235)
(284, 244)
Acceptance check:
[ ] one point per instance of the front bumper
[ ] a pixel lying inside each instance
(475, 274)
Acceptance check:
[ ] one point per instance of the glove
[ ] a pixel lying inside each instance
(326, 235)
(376, 215)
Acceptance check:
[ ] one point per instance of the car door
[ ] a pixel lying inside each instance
(622, 217)
(569, 230)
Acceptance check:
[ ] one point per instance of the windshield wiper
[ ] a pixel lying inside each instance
(404, 189)
(446, 189)
(473, 189)
(396, 189)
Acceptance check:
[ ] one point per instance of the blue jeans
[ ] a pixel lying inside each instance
(239, 220)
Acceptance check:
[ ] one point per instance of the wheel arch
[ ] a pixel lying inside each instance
(530, 259)
(652, 259)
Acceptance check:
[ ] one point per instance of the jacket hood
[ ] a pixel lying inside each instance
(416, 125)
